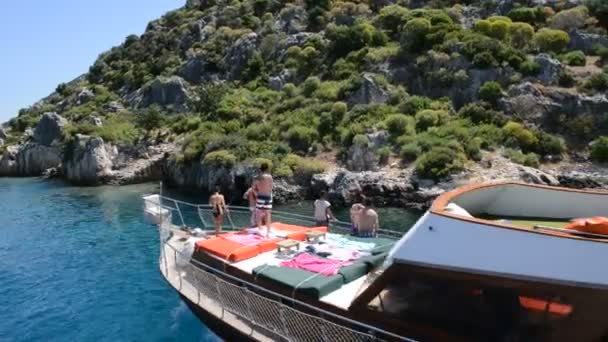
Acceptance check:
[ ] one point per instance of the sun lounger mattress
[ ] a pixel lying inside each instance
(308, 283)
(228, 250)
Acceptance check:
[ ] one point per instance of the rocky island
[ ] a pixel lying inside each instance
(401, 100)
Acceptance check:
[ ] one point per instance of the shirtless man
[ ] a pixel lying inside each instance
(368, 222)
(355, 214)
(251, 200)
(218, 207)
(263, 193)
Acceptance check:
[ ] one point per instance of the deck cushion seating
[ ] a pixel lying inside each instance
(228, 250)
(361, 267)
(296, 232)
(310, 284)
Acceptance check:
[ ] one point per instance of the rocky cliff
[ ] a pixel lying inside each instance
(399, 100)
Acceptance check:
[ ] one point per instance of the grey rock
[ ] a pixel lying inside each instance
(586, 42)
(49, 173)
(298, 39)
(3, 134)
(550, 69)
(32, 159)
(368, 92)
(113, 107)
(192, 70)
(526, 101)
(49, 129)
(292, 19)
(532, 175)
(8, 162)
(90, 161)
(1, 141)
(582, 180)
(278, 82)
(84, 96)
(237, 56)
(170, 93)
(365, 157)
(95, 121)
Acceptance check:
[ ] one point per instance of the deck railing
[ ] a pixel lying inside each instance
(269, 312)
(237, 217)
(265, 311)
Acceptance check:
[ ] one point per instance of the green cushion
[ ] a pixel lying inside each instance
(361, 267)
(316, 287)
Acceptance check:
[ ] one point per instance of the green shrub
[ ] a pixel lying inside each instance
(410, 152)
(338, 110)
(526, 14)
(391, 18)
(257, 163)
(599, 9)
(599, 149)
(484, 60)
(151, 118)
(361, 140)
(414, 34)
(439, 162)
(480, 112)
(384, 154)
(300, 138)
(527, 159)
(566, 79)
(473, 148)
(399, 124)
(549, 40)
(574, 58)
(521, 34)
(310, 85)
(283, 171)
(491, 92)
(413, 104)
(550, 145)
(303, 169)
(429, 118)
(570, 19)
(597, 82)
(522, 136)
(220, 158)
(529, 68)
(500, 29)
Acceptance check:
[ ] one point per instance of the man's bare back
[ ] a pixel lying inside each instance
(263, 184)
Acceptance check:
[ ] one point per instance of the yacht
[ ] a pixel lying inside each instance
(498, 261)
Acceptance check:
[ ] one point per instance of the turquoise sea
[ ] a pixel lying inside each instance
(80, 264)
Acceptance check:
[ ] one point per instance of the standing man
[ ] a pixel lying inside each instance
(218, 207)
(251, 200)
(322, 211)
(263, 194)
(368, 222)
(355, 214)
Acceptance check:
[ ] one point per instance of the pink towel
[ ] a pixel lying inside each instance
(311, 263)
(245, 239)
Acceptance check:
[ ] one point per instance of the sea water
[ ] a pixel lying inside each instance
(81, 264)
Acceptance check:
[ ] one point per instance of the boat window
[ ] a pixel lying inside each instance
(469, 309)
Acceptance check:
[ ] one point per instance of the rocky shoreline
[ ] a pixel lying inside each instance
(92, 162)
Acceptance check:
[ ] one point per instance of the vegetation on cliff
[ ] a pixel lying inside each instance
(234, 81)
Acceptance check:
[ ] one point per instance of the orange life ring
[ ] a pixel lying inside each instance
(594, 225)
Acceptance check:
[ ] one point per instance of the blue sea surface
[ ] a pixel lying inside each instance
(80, 264)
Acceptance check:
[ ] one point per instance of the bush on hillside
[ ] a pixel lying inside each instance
(527, 159)
(414, 34)
(528, 15)
(490, 92)
(384, 154)
(151, 119)
(597, 82)
(399, 124)
(599, 149)
(257, 163)
(549, 40)
(574, 58)
(480, 112)
(429, 118)
(220, 158)
(550, 145)
(521, 34)
(599, 9)
(410, 152)
(529, 68)
(300, 138)
(439, 162)
(570, 19)
(521, 135)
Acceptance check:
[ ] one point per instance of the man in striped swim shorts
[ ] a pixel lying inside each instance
(263, 188)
